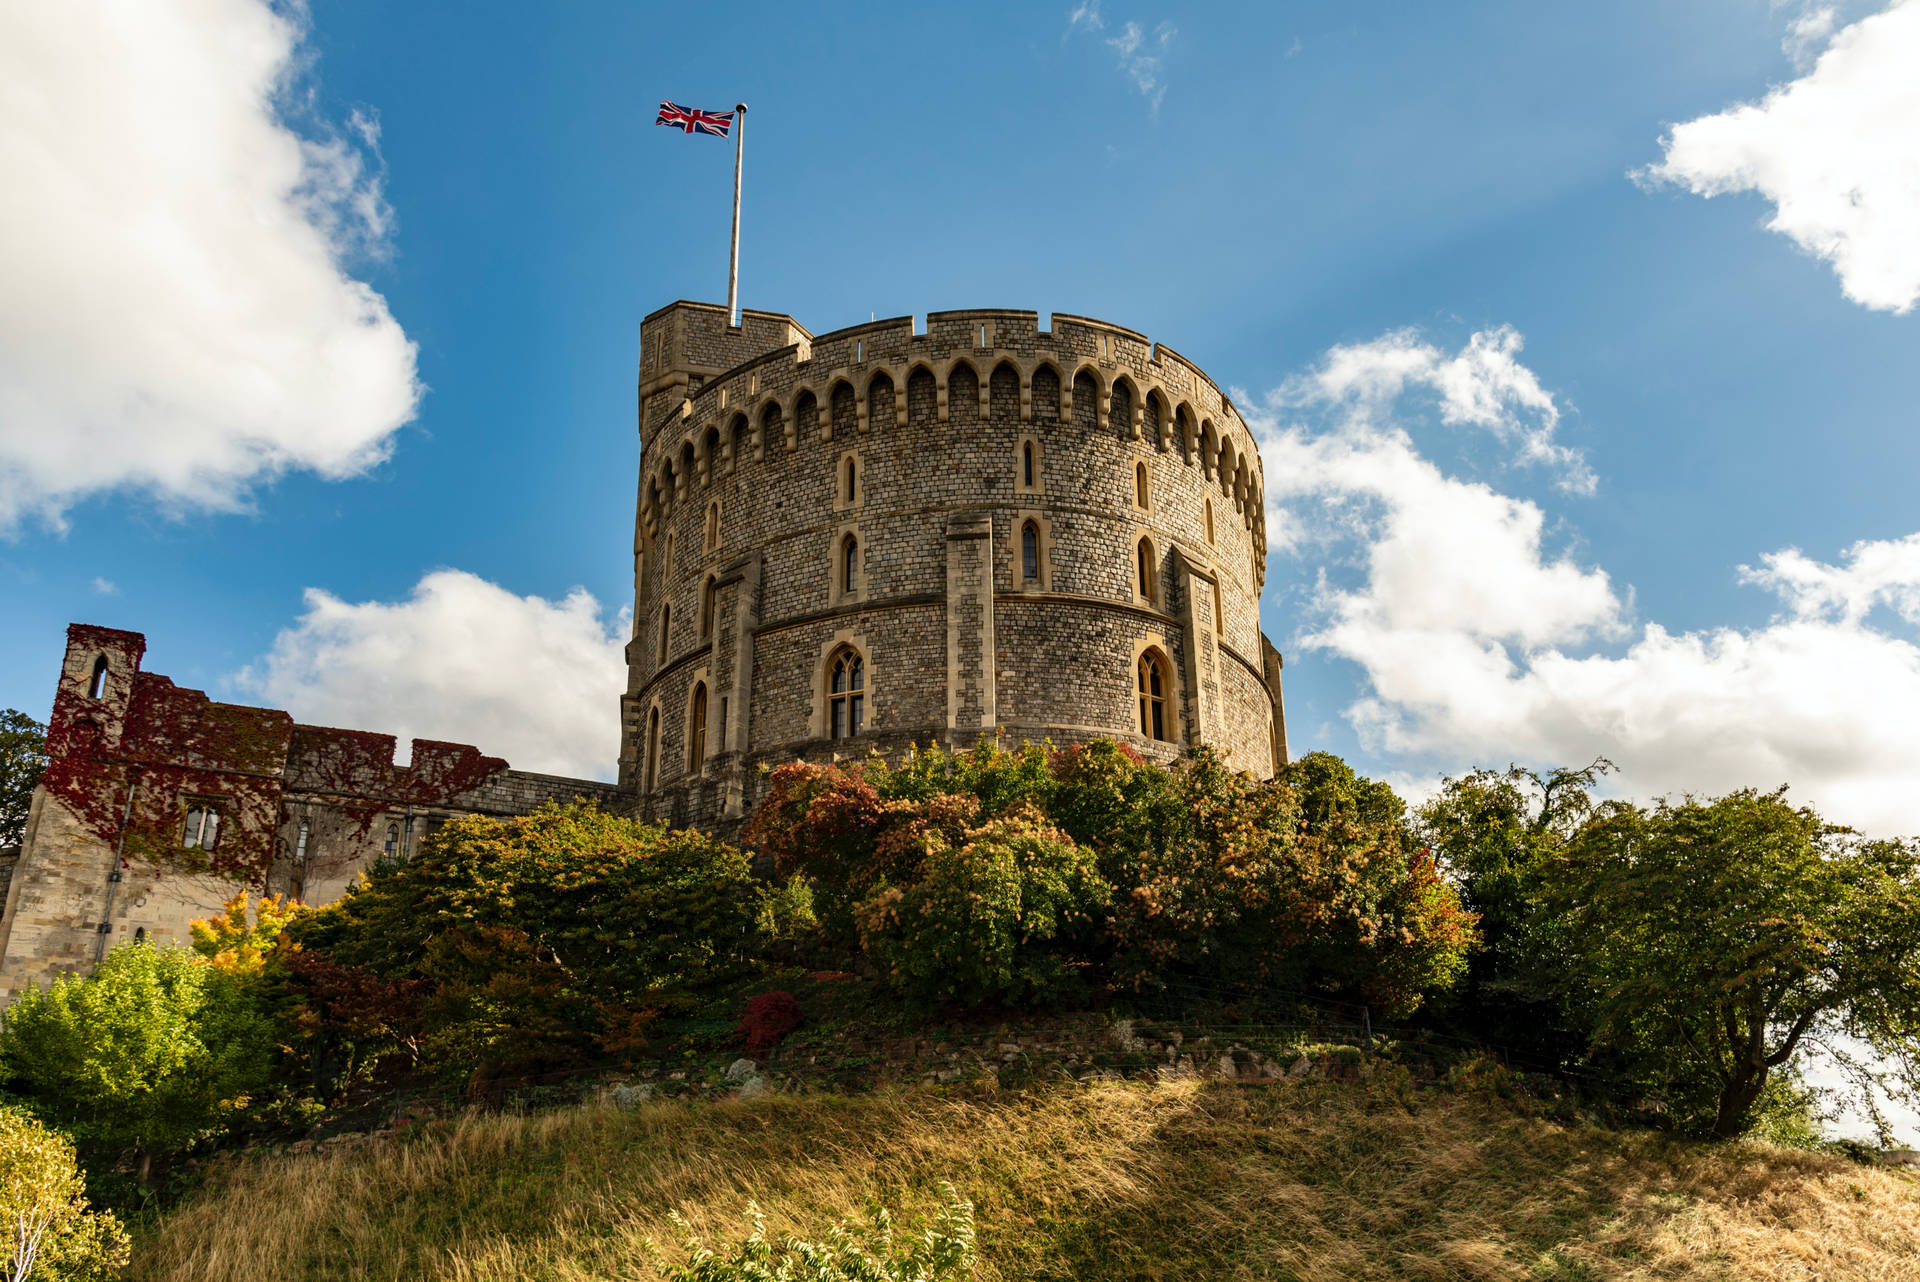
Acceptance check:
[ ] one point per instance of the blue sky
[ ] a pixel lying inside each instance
(1321, 204)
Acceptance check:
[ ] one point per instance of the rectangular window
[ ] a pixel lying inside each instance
(856, 705)
(203, 828)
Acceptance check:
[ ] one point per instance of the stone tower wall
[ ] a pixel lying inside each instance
(958, 642)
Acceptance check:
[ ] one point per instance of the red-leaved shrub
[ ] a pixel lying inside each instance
(769, 1018)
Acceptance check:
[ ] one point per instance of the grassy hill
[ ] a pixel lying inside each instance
(1182, 1179)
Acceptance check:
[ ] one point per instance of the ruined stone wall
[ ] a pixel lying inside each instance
(303, 810)
(747, 465)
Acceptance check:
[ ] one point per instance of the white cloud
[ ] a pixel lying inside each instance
(1479, 645)
(1807, 34)
(535, 681)
(1833, 151)
(176, 310)
(1141, 56)
(105, 587)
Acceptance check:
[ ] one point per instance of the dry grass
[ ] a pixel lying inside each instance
(1113, 1180)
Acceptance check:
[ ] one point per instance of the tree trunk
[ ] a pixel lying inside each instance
(1736, 1100)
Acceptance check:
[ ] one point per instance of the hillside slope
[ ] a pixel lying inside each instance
(1109, 1180)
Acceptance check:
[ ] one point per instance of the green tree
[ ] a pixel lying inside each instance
(23, 758)
(1719, 938)
(156, 1049)
(1499, 835)
(47, 1229)
(510, 947)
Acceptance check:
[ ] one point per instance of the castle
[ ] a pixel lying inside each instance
(862, 541)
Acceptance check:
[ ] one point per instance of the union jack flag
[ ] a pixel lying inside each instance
(694, 120)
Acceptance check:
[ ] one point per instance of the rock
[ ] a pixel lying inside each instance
(740, 1070)
(631, 1095)
(1009, 1048)
(1898, 1157)
(1227, 1068)
(1301, 1067)
(754, 1087)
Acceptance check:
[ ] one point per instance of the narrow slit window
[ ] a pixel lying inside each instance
(666, 626)
(850, 566)
(1140, 485)
(1143, 567)
(1217, 612)
(713, 526)
(1209, 510)
(1026, 464)
(697, 728)
(653, 749)
(97, 686)
(853, 478)
(709, 594)
(300, 845)
(1030, 552)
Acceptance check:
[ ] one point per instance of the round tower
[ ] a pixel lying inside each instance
(876, 538)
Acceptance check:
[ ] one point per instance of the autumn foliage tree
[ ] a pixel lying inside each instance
(1001, 875)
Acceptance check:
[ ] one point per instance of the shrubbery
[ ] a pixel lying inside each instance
(942, 1252)
(1014, 876)
(154, 1050)
(47, 1230)
(510, 947)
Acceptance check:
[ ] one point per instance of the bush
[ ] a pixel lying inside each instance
(155, 1050)
(769, 1018)
(46, 1228)
(943, 1252)
(510, 947)
(993, 875)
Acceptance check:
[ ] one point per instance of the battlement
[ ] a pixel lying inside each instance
(359, 763)
(697, 418)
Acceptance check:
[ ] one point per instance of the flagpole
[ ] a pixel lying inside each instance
(733, 258)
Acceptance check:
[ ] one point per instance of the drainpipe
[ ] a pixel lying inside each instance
(119, 862)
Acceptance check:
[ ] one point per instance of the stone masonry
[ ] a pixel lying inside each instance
(965, 509)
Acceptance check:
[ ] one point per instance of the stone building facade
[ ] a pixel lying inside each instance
(159, 803)
(892, 535)
(878, 538)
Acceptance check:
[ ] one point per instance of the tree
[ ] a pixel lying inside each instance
(1720, 938)
(156, 1049)
(23, 758)
(46, 1228)
(1499, 834)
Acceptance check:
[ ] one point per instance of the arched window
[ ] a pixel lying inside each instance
(203, 828)
(713, 525)
(709, 593)
(1140, 491)
(846, 694)
(139, 934)
(97, 686)
(849, 565)
(1153, 695)
(1143, 570)
(392, 848)
(652, 771)
(1209, 508)
(666, 627)
(1030, 552)
(1026, 464)
(697, 727)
